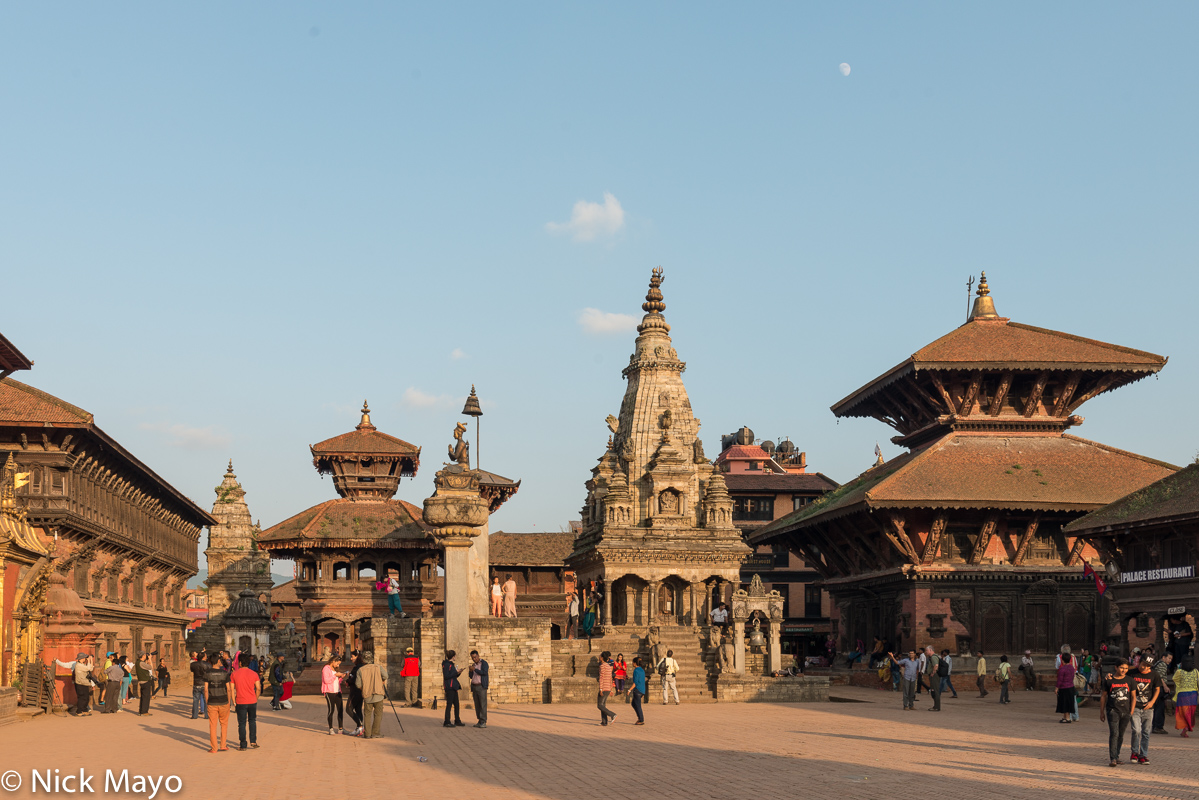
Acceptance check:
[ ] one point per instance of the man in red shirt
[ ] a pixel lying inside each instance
(246, 688)
(410, 672)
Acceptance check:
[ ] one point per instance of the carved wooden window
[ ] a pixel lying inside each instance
(341, 570)
(367, 571)
(957, 543)
(35, 480)
(58, 483)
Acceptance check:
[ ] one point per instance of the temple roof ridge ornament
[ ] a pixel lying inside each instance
(365, 423)
(984, 305)
(654, 305)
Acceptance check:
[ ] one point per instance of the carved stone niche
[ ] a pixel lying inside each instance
(936, 625)
(962, 609)
(965, 645)
(1142, 625)
(905, 624)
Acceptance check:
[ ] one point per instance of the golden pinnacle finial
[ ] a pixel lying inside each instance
(229, 471)
(984, 306)
(365, 424)
(653, 298)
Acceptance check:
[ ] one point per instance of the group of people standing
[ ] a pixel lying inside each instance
(121, 679)
(366, 682)
(225, 685)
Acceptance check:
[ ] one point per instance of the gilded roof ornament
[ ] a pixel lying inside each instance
(654, 305)
(984, 306)
(365, 424)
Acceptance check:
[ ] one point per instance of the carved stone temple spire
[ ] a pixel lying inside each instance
(234, 560)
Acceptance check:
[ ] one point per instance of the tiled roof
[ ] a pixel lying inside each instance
(790, 482)
(365, 442)
(972, 470)
(21, 403)
(743, 452)
(344, 522)
(1173, 498)
(983, 344)
(285, 592)
(529, 549)
(10, 357)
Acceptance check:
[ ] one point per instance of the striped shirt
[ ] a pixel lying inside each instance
(605, 677)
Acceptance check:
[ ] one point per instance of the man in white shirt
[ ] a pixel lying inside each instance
(668, 668)
(720, 616)
(572, 616)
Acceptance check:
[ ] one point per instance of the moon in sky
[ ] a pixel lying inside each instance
(844, 69)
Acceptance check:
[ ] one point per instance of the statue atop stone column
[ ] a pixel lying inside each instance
(460, 450)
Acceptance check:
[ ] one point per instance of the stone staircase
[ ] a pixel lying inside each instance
(576, 664)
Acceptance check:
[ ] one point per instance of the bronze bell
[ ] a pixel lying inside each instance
(756, 639)
(472, 409)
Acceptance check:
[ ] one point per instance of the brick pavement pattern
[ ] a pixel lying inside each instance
(864, 750)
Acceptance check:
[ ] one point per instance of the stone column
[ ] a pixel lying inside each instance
(631, 617)
(776, 656)
(739, 646)
(652, 606)
(347, 638)
(478, 566)
(694, 601)
(457, 515)
(607, 602)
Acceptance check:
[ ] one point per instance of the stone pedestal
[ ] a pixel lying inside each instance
(458, 515)
(68, 631)
(739, 646)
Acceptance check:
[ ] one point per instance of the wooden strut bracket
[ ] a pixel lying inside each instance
(1026, 539)
(1005, 383)
(983, 540)
(933, 542)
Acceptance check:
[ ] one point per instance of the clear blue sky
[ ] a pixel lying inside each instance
(222, 226)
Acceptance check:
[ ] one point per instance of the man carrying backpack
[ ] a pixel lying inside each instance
(667, 669)
(932, 669)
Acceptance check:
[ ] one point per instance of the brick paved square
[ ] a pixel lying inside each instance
(853, 750)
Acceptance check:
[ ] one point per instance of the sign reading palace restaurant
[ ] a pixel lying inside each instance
(1145, 575)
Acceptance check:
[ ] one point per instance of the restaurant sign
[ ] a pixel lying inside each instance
(1175, 610)
(1167, 574)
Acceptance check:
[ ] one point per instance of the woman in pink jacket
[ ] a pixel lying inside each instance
(331, 689)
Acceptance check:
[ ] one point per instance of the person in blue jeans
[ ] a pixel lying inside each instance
(910, 667)
(198, 669)
(638, 689)
(947, 681)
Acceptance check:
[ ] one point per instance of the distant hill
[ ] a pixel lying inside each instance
(202, 575)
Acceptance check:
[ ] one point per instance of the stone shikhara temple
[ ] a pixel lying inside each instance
(959, 543)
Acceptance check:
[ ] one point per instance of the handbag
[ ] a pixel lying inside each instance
(1080, 683)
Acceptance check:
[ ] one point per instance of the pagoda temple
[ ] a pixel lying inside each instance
(342, 547)
(959, 543)
(657, 527)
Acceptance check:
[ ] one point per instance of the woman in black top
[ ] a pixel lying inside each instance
(449, 678)
(164, 677)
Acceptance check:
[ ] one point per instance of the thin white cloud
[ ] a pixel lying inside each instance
(591, 221)
(415, 398)
(457, 353)
(188, 437)
(600, 323)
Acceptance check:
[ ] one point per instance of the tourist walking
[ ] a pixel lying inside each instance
(81, 675)
(164, 677)
(479, 670)
(909, 669)
(126, 682)
(606, 686)
(247, 685)
(354, 704)
(1029, 669)
(371, 681)
(1115, 708)
(668, 668)
(395, 608)
(947, 671)
(572, 615)
(981, 669)
(932, 667)
(331, 676)
(275, 678)
(410, 672)
(1186, 696)
(509, 589)
(115, 673)
(922, 660)
(620, 672)
(639, 689)
(449, 682)
(1148, 691)
(218, 700)
(1004, 676)
(198, 669)
(1162, 669)
(145, 684)
(497, 597)
(1065, 688)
